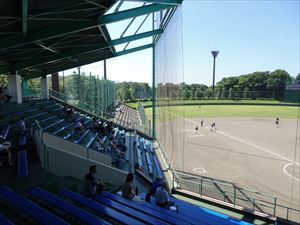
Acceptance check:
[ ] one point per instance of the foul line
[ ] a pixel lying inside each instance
(258, 147)
(245, 142)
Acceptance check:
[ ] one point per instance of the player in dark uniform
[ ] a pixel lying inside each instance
(196, 129)
(213, 126)
(277, 122)
(201, 122)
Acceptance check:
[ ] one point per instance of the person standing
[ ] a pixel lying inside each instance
(277, 122)
(213, 126)
(201, 122)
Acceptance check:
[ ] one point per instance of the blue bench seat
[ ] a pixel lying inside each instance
(36, 115)
(82, 136)
(22, 163)
(129, 211)
(67, 207)
(91, 140)
(100, 208)
(69, 134)
(150, 167)
(139, 158)
(193, 210)
(46, 119)
(29, 208)
(53, 124)
(5, 221)
(62, 128)
(196, 212)
(157, 166)
(146, 210)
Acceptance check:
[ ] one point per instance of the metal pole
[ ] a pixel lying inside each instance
(64, 82)
(234, 196)
(104, 67)
(214, 54)
(78, 80)
(214, 77)
(153, 87)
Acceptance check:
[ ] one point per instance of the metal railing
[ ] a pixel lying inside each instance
(227, 192)
(45, 150)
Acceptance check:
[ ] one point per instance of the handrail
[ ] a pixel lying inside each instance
(46, 151)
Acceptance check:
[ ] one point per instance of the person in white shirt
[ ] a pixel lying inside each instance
(162, 198)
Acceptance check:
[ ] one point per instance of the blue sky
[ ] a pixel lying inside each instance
(251, 36)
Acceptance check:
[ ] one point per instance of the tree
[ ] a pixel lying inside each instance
(198, 94)
(246, 93)
(276, 82)
(209, 92)
(298, 77)
(3, 81)
(230, 95)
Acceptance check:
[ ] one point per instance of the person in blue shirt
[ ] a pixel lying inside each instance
(156, 184)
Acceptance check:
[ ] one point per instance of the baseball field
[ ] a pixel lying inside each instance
(246, 147)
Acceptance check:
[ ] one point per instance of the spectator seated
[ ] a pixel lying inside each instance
(158, 214)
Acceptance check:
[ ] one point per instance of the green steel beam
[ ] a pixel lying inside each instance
(169, 2)
(84, 50)
(97, 59)
(24, 17)
(130, 13)
(78, 26)
(34, 74)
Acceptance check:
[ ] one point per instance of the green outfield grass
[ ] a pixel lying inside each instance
(206, 111)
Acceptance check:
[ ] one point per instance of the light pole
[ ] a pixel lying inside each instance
(214, 54)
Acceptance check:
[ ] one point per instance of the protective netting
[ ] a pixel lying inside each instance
(89, 92)
(168, 64)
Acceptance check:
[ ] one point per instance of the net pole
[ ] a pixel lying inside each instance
(153, 85)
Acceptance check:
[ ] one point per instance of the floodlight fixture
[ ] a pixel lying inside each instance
(214, 54)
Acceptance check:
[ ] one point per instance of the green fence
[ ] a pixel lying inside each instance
(31, 93)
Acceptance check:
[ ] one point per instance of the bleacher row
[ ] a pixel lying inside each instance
(32, 111)
(51, 118)
(127, 115)
(146, 160)
(68, 207)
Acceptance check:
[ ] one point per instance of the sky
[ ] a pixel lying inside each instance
(250, 35)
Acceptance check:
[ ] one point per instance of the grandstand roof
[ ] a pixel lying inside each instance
(43, 37)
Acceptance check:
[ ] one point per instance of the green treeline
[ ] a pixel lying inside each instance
(257, 85)
(133, 90)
